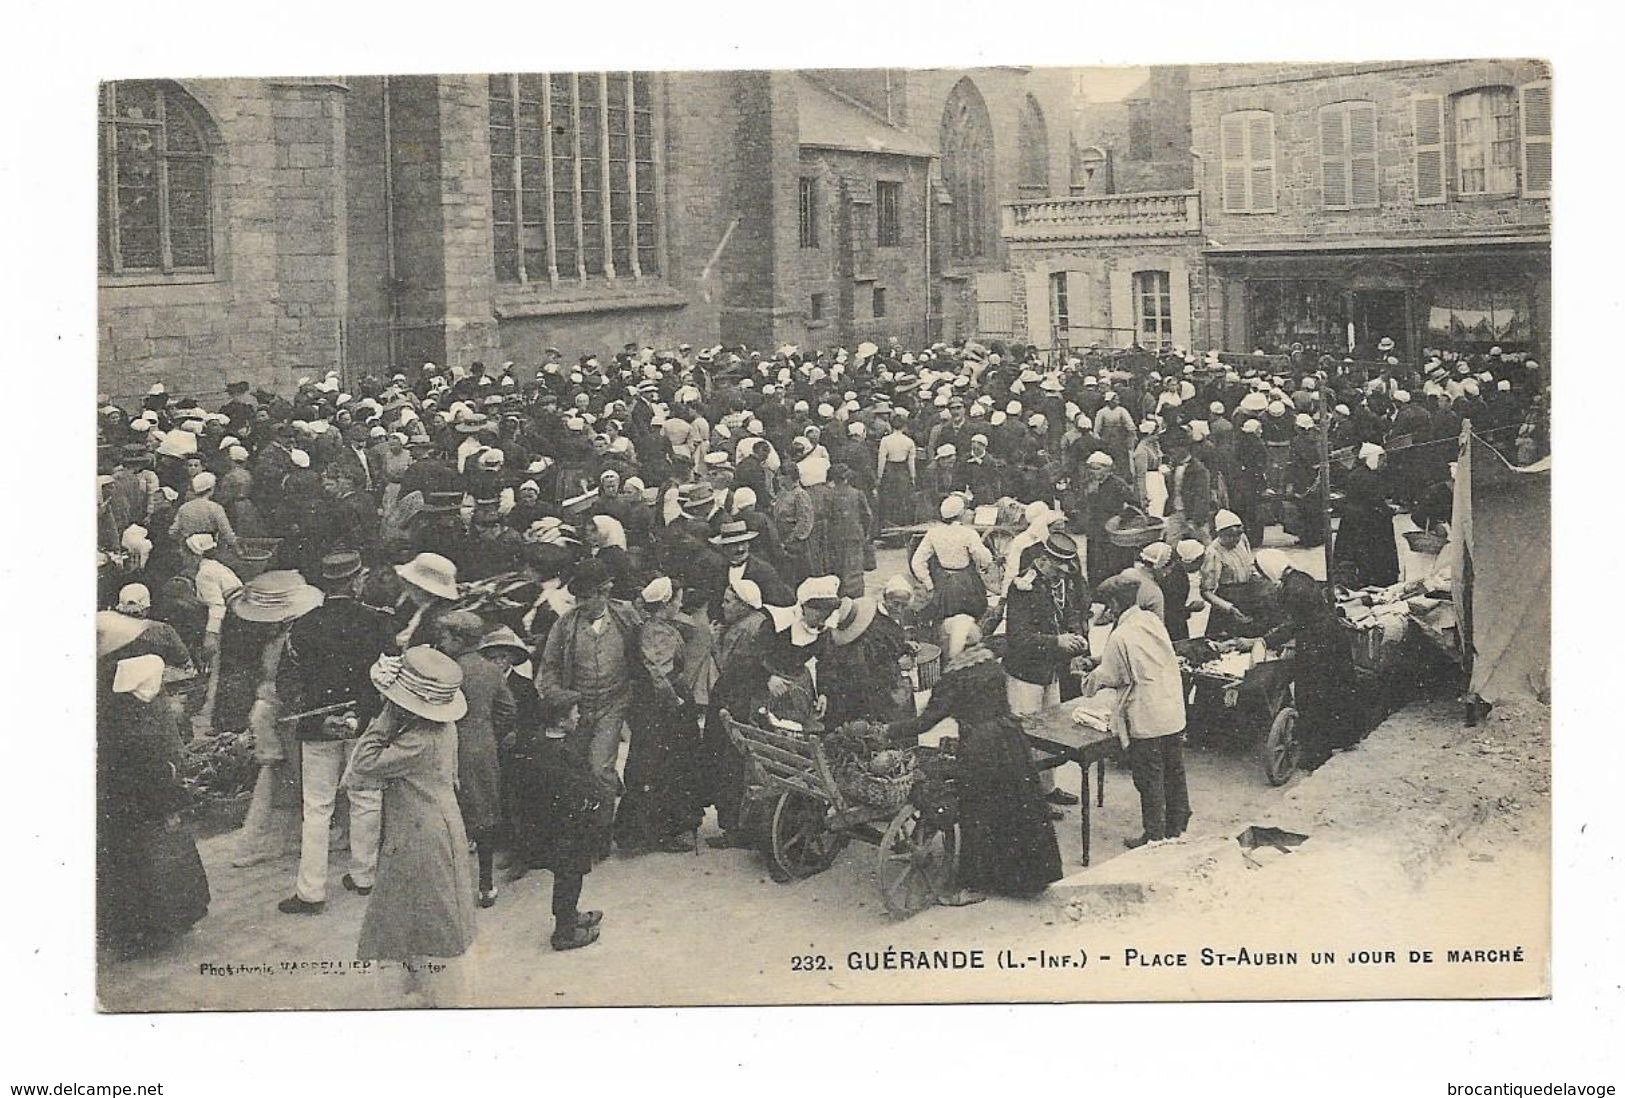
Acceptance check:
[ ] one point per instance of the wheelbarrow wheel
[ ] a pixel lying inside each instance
(802, 841)
(1280, 750)
(916, 862)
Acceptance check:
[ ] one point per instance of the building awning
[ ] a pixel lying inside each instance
(1376, 244)
(830, 121)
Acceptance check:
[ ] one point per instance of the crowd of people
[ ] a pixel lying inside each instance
(459, 595)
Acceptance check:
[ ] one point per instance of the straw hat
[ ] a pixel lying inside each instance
(430, 572)
(275, 597)
(503, 638)
(422, 681)
(732, 532)
(853, 619)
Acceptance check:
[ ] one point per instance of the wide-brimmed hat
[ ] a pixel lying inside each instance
(430, 572)
(424, 682)
(472, 424)
(502, 638)
(851, 622)
(733, 532)
(274, 597)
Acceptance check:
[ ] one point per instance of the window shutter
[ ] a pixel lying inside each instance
(1261, 154)
(1038, 308)
(1427, 112)
(1536, 115)
(1362, 123)
(1179, 301)
(1334, 157)
(1233, 154)
(1122, 286)
(1078, 314)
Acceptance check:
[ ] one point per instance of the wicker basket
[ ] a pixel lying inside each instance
(888, 793)
(927, 667)
(1424, 541)
(1135, 537)
(255, 556)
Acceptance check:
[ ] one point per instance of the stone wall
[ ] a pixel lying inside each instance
(270, 310)
(1295, 93)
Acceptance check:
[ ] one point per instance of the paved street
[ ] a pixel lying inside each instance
(678, 928)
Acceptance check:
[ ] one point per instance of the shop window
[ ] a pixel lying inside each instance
(1281, 313)
(1472, 318)
(1153, 310)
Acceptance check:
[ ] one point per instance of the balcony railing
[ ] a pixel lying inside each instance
(1126, 216)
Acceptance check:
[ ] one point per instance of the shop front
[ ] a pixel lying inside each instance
(1465, 297)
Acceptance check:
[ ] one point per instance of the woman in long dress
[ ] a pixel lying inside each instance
(1007, 843)
(895, 494)
(1365, 535)
(422, 904)
(150, 883)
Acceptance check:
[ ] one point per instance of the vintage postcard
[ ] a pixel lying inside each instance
(824, 536)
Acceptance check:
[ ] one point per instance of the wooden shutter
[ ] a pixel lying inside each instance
(1334, 156)
(1233, 155)
(993, 307)
(1535, 113)
(1122, 317)
(1362, 134)
(1427, 112)
(1038, 309)
(1179, 301)
(1261, 157)
(1078, 314)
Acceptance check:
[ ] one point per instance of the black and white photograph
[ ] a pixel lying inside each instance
(823, 535)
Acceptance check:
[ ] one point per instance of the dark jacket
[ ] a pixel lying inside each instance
(1033, 620)
(334, 647)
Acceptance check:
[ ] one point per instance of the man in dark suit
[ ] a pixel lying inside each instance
(734, 538)
(333, 648)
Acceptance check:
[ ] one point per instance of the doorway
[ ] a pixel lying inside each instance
(1379, 313)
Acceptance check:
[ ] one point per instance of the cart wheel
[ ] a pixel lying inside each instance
(916, 862)
(1280, 749)
(803, 844)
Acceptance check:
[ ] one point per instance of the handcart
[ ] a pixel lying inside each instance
(917, 839)
(1252, 703)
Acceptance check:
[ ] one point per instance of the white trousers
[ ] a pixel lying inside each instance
(1027, 697)
(322, 765)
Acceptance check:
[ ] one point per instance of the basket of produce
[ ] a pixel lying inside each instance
(1134, 529)
(867, 768)
(1425, 541)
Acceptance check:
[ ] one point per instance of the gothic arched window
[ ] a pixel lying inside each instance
(967, 171)
(155, 206)
(1032, 152)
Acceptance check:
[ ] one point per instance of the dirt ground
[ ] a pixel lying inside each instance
(1428, 835)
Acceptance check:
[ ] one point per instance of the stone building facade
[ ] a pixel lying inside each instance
(269, 229)
(1330, 205)
(1347, 203)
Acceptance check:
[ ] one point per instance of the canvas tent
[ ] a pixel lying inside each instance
(1501, 519)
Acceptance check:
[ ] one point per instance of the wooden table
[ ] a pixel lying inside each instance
(1061, 740)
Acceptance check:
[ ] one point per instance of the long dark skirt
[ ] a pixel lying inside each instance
(1365, 539)
(959, 592)
(662, 776)
(895, 496)
(150, 883)
(1007, 843)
